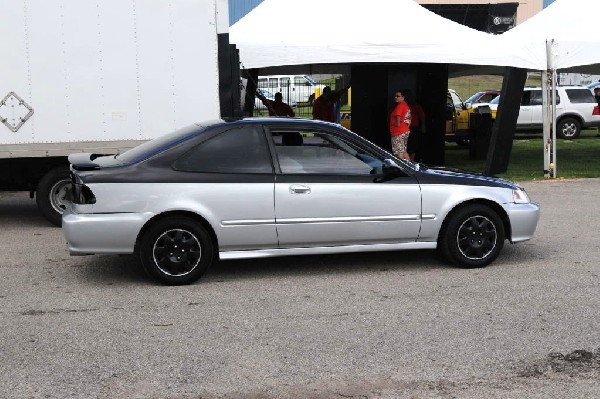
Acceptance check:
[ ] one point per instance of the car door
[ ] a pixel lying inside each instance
(525, 110)
(461, 112)
(330, 190)
(230, 183)
(535, 104)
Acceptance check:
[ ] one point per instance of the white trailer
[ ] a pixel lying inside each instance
(102, 76)
(577, 79)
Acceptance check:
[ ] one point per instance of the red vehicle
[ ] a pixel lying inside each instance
(482, 97)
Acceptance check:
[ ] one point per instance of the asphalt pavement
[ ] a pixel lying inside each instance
(376, 325)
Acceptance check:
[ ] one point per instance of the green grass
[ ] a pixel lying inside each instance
(574, 159)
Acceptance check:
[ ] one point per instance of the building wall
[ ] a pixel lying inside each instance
(239, 8)
(526, 9)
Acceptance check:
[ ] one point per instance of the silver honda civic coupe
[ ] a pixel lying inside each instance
(263, 187)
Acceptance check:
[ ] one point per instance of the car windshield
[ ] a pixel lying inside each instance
(472, 98)
(158, 144)
(311, 80)
(267, 94)
(496, 100)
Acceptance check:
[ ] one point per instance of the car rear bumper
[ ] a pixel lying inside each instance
(523, 220)
(113, 233)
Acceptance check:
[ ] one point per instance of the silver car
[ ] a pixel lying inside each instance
(280, 186)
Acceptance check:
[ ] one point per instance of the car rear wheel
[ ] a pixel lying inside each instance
(176, 251)
(568, 128)
(473, 237)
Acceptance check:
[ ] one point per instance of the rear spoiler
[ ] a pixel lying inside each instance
(85, 160)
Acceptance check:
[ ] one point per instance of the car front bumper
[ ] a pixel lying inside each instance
(523, 220)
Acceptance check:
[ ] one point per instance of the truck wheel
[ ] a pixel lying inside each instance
(568, 128)
(51, 194)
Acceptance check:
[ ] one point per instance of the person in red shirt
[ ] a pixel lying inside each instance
(324, 105)
(277, 107)
(417, 126)
(400, 120)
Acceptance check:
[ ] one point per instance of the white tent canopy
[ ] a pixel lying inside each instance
(280, 33)
(568, 25)
(560, 37)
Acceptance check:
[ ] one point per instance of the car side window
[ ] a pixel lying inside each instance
(322, 153)
(241, 150)
(536, 98)
(580, 96)
(486, 98)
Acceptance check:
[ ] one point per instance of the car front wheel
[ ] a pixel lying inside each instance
(568, 128)
(176, 251)
(473, 237)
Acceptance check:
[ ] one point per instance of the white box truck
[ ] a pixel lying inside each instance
(102, 76)
(294, 88)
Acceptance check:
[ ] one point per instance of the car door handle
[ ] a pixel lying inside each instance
(299, 189)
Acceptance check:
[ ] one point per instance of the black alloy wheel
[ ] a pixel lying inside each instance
(473, 237)
(176, 251)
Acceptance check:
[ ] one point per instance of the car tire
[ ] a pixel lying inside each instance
(176, 251)
(473, 237)
(50, 194)
(568, 128)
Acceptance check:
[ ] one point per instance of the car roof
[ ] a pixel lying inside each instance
(558, 87)
(279, 120)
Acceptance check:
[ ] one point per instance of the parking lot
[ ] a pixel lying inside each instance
(376, 325)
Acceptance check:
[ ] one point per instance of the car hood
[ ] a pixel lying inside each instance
(441, 175)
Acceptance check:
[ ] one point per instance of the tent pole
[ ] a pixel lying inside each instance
(549, 111)
(547, 144)
(554, 76)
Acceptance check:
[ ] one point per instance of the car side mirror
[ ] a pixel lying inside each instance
(390, 167)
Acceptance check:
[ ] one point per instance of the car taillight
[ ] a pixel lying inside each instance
(81, 194)
(596, 111)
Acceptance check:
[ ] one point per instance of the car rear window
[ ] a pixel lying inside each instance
(149, 148)
(579, 96)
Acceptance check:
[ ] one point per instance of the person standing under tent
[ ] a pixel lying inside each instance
(597, 97)
(417, 126)
(400, 119)
(277, 107)
(324, 105)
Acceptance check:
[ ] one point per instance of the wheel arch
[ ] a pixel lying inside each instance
(188, 214)
(575, 116)
(479, 201)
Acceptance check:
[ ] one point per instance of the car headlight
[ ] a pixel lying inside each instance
(520, 196)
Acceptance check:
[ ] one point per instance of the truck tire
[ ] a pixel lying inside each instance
(51, 194)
